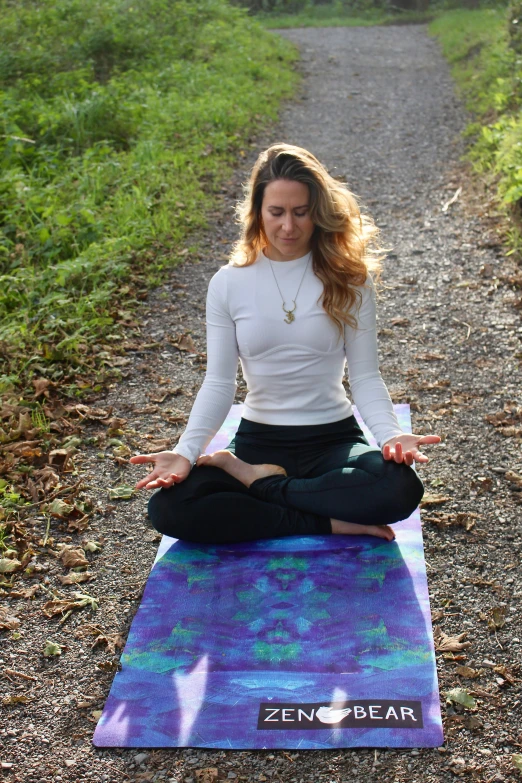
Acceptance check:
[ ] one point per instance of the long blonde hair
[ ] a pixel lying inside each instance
(344, 247)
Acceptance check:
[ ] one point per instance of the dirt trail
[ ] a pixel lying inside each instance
(377, 106)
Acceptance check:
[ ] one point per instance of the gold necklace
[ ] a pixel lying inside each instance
(290, 313)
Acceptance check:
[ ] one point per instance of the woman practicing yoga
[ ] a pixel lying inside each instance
(295, 304)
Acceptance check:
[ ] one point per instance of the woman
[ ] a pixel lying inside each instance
(299, 463)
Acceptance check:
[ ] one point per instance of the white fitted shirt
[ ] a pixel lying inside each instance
(293, 371)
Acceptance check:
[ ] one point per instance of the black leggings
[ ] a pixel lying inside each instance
(332, 472)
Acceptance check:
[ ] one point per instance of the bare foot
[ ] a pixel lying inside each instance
(243, 471)
(351, 529)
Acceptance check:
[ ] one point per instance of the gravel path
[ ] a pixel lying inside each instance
(377, 106)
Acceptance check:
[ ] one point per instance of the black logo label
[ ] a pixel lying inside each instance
(342, 715)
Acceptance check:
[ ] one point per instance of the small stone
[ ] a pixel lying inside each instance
(140, 758)
(70, 762)
(231, 775)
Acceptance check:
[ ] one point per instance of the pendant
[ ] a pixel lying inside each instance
(289, 314)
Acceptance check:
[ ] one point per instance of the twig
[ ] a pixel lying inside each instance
(17, 138)
(47, 529)
(452, 200)
(14, 673)
(66, 616)
(464, 324)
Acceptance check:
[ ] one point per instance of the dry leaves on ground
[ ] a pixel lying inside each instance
(445, 643)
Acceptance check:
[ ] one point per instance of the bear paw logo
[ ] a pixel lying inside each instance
(329, 715)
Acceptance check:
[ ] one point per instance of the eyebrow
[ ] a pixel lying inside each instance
(274, 206)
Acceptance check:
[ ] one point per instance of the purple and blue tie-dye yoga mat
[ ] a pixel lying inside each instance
(312, 642)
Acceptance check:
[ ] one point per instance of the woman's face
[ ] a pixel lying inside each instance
(285, 213)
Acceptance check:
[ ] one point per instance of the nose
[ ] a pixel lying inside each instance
(288, 223)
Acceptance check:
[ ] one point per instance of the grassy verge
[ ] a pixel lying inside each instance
(119, 121)
(488, 74)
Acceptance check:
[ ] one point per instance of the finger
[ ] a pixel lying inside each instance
(429, 439)
(143, 482)
(158, 483)
(420, 457)
(398, 452)
(140, 459)
(408, 458)
(386, 452)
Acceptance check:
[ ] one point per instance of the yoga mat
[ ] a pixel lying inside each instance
(299, 642)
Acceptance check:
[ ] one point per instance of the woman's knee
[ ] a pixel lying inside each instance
(408, 491)
(164, 513)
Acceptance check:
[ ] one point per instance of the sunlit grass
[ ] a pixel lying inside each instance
(119, 125)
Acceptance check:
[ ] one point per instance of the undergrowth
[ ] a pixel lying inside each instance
(120, 121)
(488, 71)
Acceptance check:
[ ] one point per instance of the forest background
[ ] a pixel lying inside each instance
(121, 119)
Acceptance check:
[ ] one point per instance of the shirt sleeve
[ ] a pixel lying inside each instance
(368, 389)
(217, 392)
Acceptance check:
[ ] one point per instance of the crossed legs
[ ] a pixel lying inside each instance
(226, 499)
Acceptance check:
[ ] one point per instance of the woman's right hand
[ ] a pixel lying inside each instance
(169, 469)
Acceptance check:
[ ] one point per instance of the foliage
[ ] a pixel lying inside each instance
(119, 121)
(483, 48)
(298, 12)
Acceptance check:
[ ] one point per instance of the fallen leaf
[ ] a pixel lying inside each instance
(497, 618)
(61, 606)
(468, 672)
(122, 451)
(146, 409)
(73, 557)
(461, 696)
(92, 546)
(122, 492)
(90, 413)
(76, 578)
(8, 565)
(51, 648)
(8, 622)
(59, 508)
(41, 386)
(445, 643)
(184, 342)
(433, 500)
(206, 775)
(516, 758)
(8, 701)
(26, 592)
(505, 672)
(108, 666)
(111, 640)
(471, 722)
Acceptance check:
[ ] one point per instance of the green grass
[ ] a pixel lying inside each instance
(120, 122)
(488, 74)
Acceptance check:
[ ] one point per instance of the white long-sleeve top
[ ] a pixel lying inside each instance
(293, 371)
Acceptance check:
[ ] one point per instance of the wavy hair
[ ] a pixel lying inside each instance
(344, 241)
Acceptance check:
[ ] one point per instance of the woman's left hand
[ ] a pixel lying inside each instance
(404, 448)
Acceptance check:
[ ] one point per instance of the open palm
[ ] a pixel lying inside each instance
(169, 469)
(405, 448)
